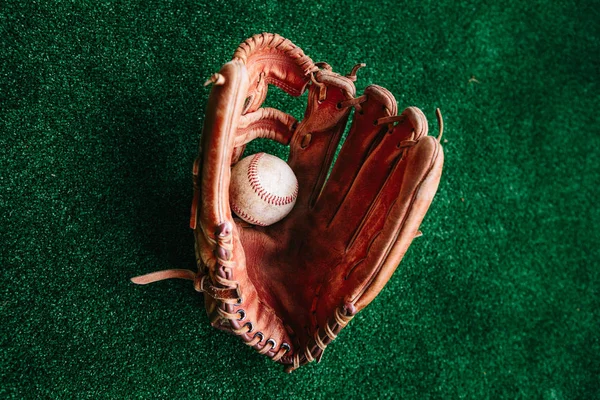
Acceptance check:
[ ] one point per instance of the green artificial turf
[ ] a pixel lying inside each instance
(101, 108)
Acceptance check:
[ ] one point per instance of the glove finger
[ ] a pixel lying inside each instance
(363, 136)
(386, 233)
(385, 245)
(223, 113)
(316, 138)
(376, 175)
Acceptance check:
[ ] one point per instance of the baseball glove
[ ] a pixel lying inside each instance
(288, 289)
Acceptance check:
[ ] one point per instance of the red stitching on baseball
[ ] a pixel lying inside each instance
(261, 191)
(245, 216)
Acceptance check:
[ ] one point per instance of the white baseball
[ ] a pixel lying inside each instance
(263, 189)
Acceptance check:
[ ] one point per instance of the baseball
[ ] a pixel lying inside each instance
(263, 189)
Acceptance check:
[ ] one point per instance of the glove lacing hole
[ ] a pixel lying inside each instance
(286, 347)
(239, 302)
(250, 326)
(262, 337)
(242, 314)
(305, 141)
(273, 343)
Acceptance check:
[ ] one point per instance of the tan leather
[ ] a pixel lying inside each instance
(289, 288)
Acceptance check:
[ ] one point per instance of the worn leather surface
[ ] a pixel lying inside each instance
(302, 279)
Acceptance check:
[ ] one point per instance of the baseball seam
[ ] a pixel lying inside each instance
(245, 216)
(270, 198)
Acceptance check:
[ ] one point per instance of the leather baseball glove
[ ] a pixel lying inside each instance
(288, 289)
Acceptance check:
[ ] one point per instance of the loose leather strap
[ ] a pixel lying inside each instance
(202, 282)
(162, 275)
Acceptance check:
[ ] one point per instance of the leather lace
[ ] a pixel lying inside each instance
(227, 292)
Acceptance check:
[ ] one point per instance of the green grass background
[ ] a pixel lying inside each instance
(101, 108)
